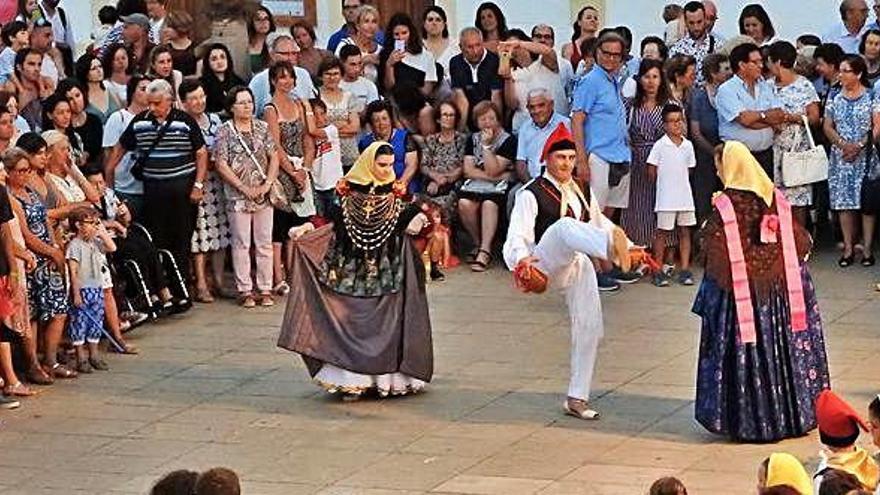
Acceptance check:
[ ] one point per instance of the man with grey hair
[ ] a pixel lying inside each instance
(474, 75)
(281, 48)
(853, 23)
(172, 162)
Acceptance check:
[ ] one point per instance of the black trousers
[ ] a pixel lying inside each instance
(765, 158)
(171, 217)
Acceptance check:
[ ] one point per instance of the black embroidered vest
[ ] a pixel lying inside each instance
(549, 202)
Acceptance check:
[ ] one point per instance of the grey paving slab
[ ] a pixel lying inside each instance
(211, 389)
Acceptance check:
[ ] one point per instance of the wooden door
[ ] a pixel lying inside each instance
(415, 8)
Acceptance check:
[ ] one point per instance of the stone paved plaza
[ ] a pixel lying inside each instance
(211, 389)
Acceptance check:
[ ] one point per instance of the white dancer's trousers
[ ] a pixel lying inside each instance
(563, 253)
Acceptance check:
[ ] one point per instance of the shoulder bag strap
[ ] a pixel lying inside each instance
(159, 137)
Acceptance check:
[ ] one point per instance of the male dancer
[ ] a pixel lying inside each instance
(551, 235)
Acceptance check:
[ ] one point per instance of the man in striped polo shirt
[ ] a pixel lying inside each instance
(174, 165)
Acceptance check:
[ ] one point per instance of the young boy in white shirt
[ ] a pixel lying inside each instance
(327, 166)
(670, 163)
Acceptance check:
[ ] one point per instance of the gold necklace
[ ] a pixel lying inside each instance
(370, 218)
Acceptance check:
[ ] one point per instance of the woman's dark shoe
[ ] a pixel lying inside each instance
(436, 274)
(845, 261)
(868, 261)
(37, 376)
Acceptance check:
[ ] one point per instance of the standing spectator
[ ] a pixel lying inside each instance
(527, 65)
(62, 30)
(443, 157)
(211, 235)
(362, 89)
(327, 166)
(848, 127)
(42, 41)
(137, 38)
(651, 48)
(699, 41)
(797, 97)
(380, 116)
(681, 74)
(118, 68)
(162, 66)
(218, 76)
(645, 122)
(85, 125)
(704, 133)
(15, 36)
(310, 56)
(435, 36)
(117, 169)
(350, 10)
(157, 12)
(474, 74)
(488, 157)
(365, 38)
(669, 165)
(173, 170)
(599, 125)
(585, 27)
(747, 107)
(711, 19)
(287, 125)
(341, 109)
(869, 48)
(32, 87)
(90, 73)
(260, 25)
(247, 161)
(57, 115)
(87, 266)
(414, 65)
(673, 18)
(124, 8)
(281, 48)
(46, 287)
(755, 23)
(492, 24)
(848, 33)
(534, 132)
(176, 35)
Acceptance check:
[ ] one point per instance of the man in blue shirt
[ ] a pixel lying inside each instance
(747, 106)
(349, 11)
(853, 23)
(598, 122)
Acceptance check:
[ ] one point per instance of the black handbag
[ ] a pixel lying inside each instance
(137, 168)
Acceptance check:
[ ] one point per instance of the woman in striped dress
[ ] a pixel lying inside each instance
(645, 128)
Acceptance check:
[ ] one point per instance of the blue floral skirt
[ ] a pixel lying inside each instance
(760, 392)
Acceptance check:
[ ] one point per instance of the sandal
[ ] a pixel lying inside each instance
(37, 376)
(868, 261)
(19, 390)
(472, 255)
(247, 301)
(203, 295)
(60, 371)
(478, 265)
(265, 299)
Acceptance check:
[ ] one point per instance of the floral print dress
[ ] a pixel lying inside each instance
(852, 120)
(212, 226)
(793, 98)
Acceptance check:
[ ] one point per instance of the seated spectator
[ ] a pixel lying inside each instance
(474, 75)
(353, 80)
(217, 481)
(67, 180)
(310, 56)
(136, 35)
(260, 24)
(413, 64)
(488, 163)
(668, 486)
(755, 23)
(585, 28)
(526, 65)
(32, 87)
(380, 116)
(839, 427)
(781, 469)
(162, 66)
(848, 32)
(492, 24)
(443, 157)
(365, 38)
(85, 125)
(134, 244)
(118, 69)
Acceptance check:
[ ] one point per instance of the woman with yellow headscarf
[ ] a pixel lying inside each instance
(762, 360)
(357, 311)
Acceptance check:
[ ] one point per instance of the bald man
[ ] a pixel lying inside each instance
(847, 33)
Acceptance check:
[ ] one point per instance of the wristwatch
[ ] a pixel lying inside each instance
(198, 185)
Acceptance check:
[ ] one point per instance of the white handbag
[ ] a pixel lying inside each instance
(800, 168)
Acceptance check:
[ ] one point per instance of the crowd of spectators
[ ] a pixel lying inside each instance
(158, 151)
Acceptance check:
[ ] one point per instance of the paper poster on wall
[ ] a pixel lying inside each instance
(293, 8)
